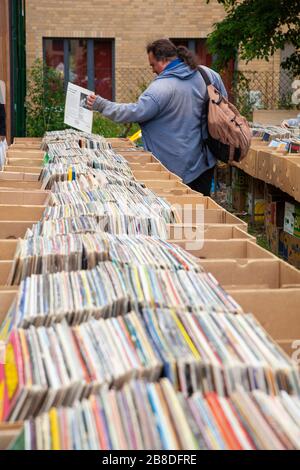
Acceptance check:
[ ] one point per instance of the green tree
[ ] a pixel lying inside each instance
(257, 28)
(45, 100)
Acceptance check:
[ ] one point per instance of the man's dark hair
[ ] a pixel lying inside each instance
(165, 49)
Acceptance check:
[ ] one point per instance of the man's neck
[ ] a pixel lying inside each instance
(170, 63)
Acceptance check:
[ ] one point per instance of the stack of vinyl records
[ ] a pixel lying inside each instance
(74, 138)
(117, 217)
(59, 172)
(71, 252)
(114, 198)
(59, 364)
(77, 295)
(270, 133)
(80, 220)
(120, 339)
(109, 287)
(100, 160)
(153, 416)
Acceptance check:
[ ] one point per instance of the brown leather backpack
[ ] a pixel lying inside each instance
(229, 134)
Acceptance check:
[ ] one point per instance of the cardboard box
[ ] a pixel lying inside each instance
(5, 268)
(145, 166)
(232, 219)
(30, 198)
(283, 244)
(274, 213)
(248, 164)
(182, 190)
(292, 249)
(240, 183)
(277, 169)
(297, 221)
(175, 188)
(229, 195)
(289, 218)
(26, 140)
(273, 116)
(294, 254)
(273, 236)
(258, 206)
(256, 191)
(292, 219)
(277, 310)
(138, 158)
(165, 186)
(14, 229)
(192, 200)
(253, 274)
(7, 249)
(133, 152)
(208, 231)
(25, 153)
(25, 162)
(20, 213)
(120, 142)
(258, 188)
(22, 169)
(19, 185)
(273, 167)
(263, 167)
(291, 176)
(27, 146)
(211, 216)
(6, 299)
(155, 175)
(239, 197)
(19, 176)
(239, 179)
(269, 213)
(226, 249)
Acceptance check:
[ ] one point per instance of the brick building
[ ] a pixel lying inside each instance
(100, 44)
(106, 40)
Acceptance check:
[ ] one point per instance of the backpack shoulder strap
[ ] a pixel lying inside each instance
(205, 76)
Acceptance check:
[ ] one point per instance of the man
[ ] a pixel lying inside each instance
(172, 114)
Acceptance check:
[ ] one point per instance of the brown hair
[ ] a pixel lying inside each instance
(165, 49)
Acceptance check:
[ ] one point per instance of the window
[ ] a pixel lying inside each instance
(85, 62)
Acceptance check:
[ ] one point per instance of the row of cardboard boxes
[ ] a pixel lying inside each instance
(279, 211)
(282, 225)
(273, 167)
(259, 281)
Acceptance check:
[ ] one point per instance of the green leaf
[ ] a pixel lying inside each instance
(257, 28)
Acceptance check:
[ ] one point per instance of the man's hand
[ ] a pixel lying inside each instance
(90, 101)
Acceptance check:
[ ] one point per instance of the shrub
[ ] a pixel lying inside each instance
(45, 100)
